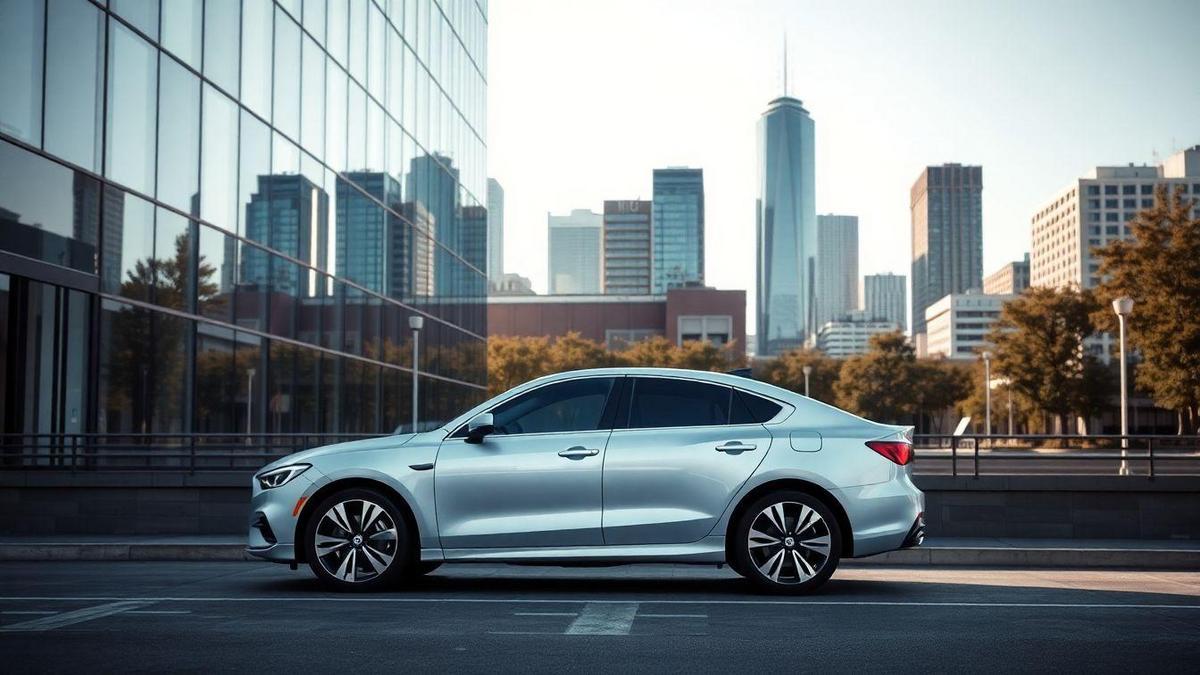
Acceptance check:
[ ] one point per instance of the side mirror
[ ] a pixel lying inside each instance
(480, 425)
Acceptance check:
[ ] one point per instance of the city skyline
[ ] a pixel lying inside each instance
(872, 103)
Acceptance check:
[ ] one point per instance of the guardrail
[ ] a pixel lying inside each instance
(156, 451)
(936, 454)
(1143, 456)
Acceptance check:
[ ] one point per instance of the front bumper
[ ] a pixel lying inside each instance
(271, 533)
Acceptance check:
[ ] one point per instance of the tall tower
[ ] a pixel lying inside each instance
(947, 235)
(786, 227)
(678, 228)
(495, 231)
(837, 267)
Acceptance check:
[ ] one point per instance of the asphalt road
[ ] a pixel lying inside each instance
(202, 617)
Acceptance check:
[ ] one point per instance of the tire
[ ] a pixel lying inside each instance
(348, 556)
(794, 559)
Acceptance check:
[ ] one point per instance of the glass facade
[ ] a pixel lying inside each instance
(787, 228)
(678, 248)
(216, 216)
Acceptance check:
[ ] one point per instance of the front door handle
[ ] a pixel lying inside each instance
(579, 452)
(736, 446)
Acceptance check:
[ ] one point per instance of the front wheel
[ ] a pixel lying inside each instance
(787, 542)
(357, 541)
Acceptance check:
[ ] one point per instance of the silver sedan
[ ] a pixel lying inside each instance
(618, 465)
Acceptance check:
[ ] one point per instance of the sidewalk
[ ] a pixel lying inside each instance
(939, 552)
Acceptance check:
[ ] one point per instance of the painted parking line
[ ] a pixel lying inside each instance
(672, 616)
(78, 616)
(600, 601)
(545, 613)
(611, 618)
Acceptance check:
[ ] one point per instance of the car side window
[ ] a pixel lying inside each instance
(665, 402)
(747, 408)
(574, 405)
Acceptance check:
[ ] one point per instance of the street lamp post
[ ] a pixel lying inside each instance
(807, 371)
(416, 323)
(249, 398)
(987, 393)
(1123, 306)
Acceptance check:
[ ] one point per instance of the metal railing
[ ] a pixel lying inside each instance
(1144, 456)
(157, 451)
(936, 454)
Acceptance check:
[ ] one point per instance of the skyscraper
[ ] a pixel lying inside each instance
(1011, 279)
(837, 266)
(433, 182)
(786, 227)
(678, 228)
(885, 297)
(289, 214)
(574, 255)
(367, 236)
(627, 261)
(947, 235)
(495, 231)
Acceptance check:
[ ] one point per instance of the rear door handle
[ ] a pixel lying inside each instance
(579, 452)
(736, 446)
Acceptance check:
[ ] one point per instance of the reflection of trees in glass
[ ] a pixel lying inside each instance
(146, 351)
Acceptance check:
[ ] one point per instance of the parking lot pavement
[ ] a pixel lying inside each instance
(238, 616)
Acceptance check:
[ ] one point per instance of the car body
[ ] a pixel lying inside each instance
(602, 466)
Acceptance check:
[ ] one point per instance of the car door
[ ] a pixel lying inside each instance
(674, 460)
(535, 481)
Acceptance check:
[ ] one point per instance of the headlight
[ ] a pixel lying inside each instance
(281, 476)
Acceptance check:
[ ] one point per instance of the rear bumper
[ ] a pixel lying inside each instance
(916, 534)
(883, 515)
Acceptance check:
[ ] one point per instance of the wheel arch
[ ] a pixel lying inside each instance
(406, 512)
(800, 485)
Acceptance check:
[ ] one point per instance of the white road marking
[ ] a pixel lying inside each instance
(608, 618)
(545, 613)
(77, 616)
(159, 611)
(570, 601)
(672, 616)
(27, 612)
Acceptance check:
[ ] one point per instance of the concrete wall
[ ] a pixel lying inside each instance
(1107, 507)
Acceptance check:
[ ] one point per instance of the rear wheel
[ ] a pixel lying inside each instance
(787, 542)
(357, 541)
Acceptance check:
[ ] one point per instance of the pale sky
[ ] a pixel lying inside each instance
(585, 98)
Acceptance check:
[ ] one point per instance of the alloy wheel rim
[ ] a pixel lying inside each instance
(789, 542)
(356, 540)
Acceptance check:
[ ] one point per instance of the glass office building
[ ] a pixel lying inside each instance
(218, 215)
(678, 229)
(786, 228)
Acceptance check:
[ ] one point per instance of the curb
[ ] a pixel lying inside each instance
(126, 552)
(1079, 558)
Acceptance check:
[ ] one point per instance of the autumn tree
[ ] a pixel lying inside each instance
(1159, 268)
(938, 386)
(787, 371)
(877, 385)
(1039, 347)
(513, 360)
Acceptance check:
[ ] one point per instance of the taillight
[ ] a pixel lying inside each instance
(897, 451)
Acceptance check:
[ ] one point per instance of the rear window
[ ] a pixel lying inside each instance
(748, 408)
(662, 402)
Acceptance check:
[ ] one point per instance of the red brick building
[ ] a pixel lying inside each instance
(682, 314)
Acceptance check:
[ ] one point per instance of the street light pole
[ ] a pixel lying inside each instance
(1123, 306)
(249, 398)
(416, 323)
(987, 393)
(807, 371)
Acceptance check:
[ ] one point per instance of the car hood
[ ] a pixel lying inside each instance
(383, 442)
